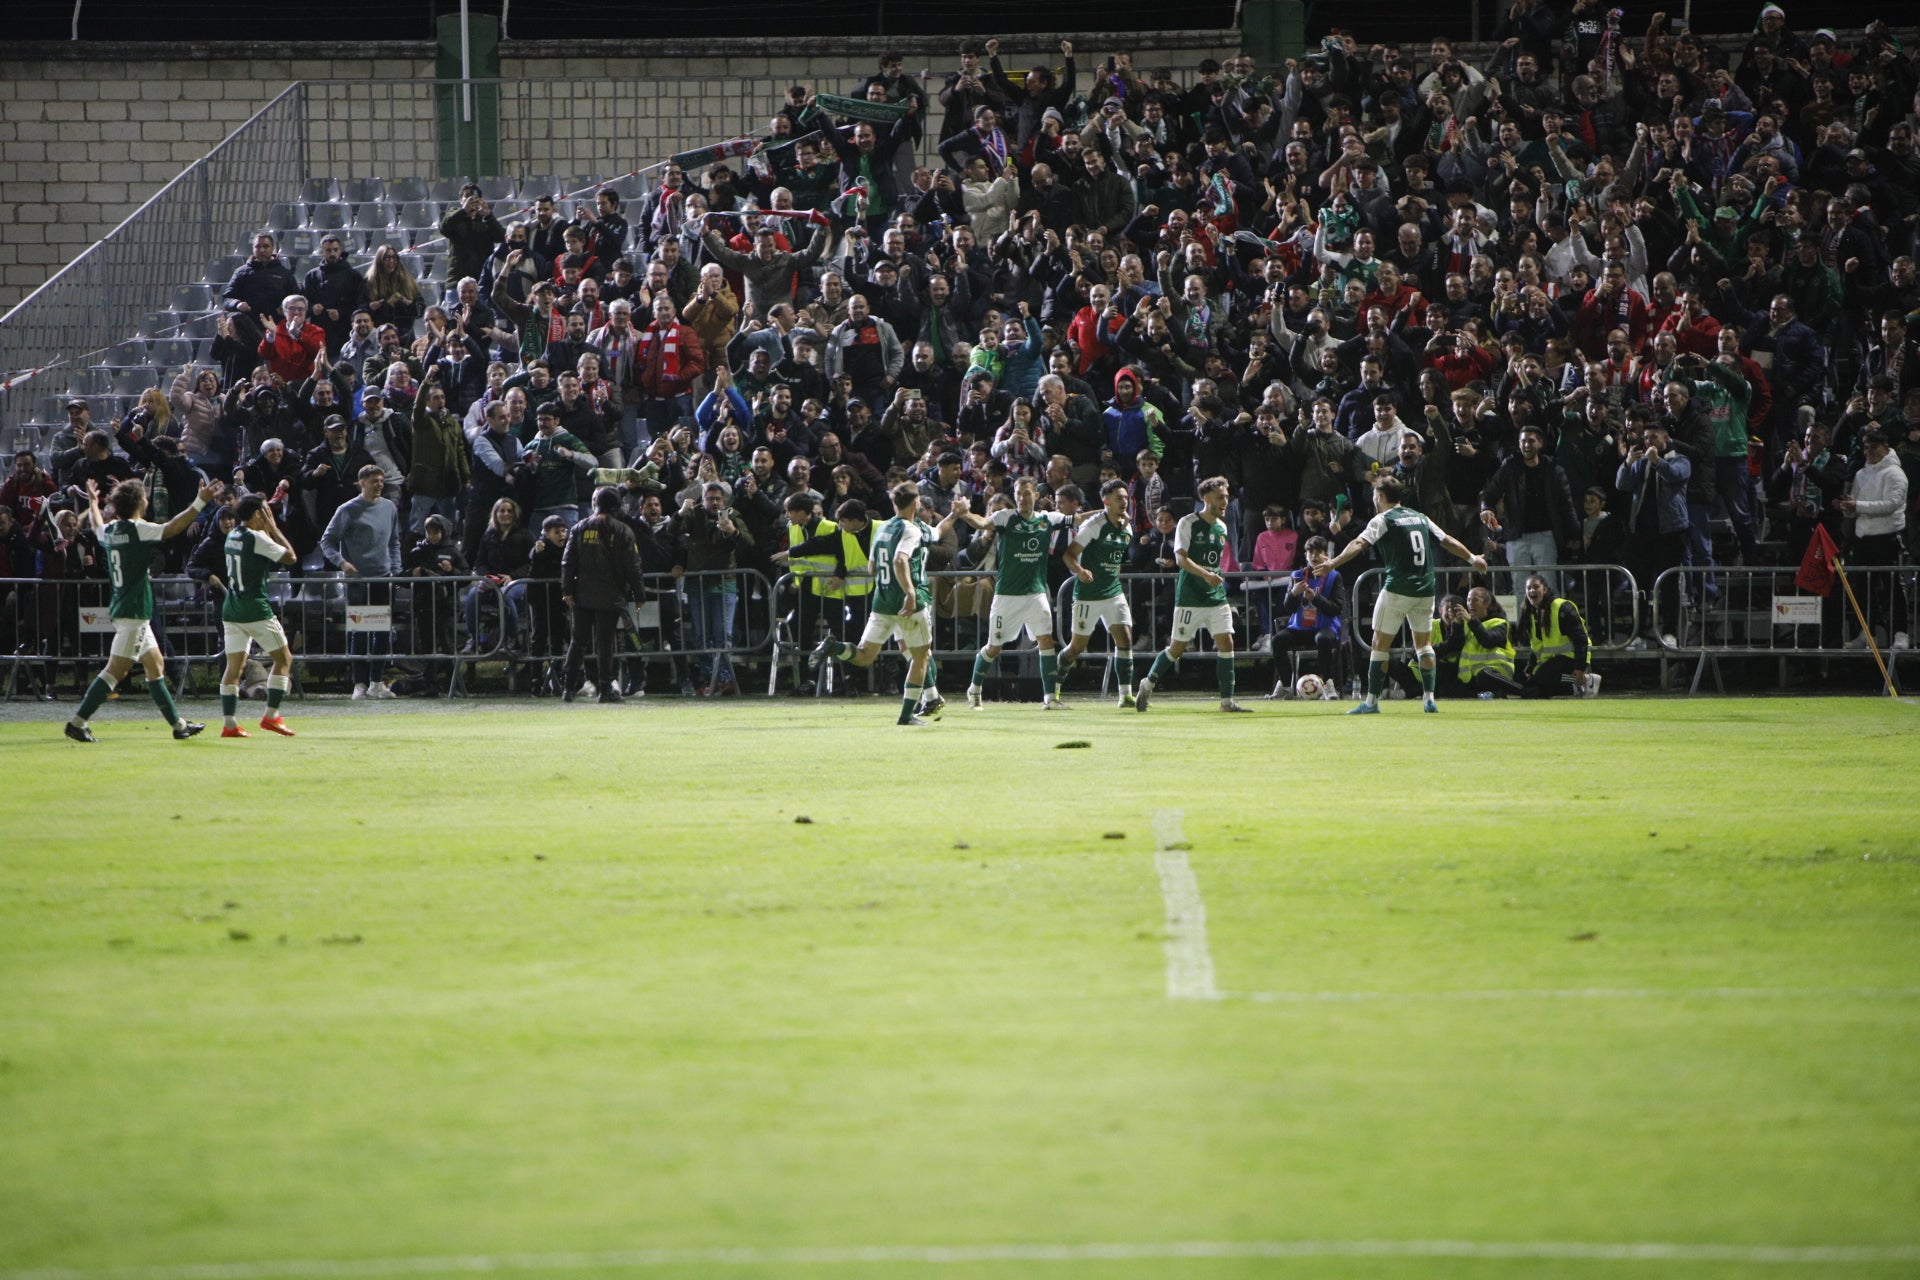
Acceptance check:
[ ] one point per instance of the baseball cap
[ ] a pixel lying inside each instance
(78, 403)
(334, 423)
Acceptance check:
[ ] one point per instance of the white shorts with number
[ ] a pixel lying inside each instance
(1010, 615)
(1113, 611)
(1392, 609)
(915, 631)
(1216, 620)
(132, 637)
(267, 632)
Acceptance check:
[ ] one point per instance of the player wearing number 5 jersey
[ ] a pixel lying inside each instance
(902, 597)
(1200, 596)
(1094, 557)
(254, 549)
(1020, 600)
(1406, 542)
(130, 543)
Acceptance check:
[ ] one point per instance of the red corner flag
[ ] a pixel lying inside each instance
(1816, 566)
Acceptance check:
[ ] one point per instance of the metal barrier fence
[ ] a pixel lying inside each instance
(1740, 612)
(430, 630)
(1605, 594)
(103, 295)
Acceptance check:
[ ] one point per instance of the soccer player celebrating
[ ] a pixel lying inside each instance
(902, 597)
(1020, 601)
(254, 549)
(1094, 557)
(1405, 541)
(130, 543)
(1200, 596)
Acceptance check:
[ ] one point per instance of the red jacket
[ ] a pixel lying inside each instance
(1088, 332)
(1701, 338)
(667, 360)
(1599, 315)
(291, 358)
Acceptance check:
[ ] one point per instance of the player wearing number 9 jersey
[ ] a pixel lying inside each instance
(1406, 543)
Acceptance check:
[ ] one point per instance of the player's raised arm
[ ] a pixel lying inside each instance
(1458, 548)
(287, 553)
(182, 522)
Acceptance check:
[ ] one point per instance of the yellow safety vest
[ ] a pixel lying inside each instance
(813, 568)
(1476, 657)
(859, 577)
(1554, 644)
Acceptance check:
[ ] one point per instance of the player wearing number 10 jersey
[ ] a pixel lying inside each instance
(1095, 557)
(1406, 543)
(1200, 595)
(902, 598)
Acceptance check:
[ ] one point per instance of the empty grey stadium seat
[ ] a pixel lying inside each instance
(363, 190)
(418, 215)
(319, 190)
(133, 351)
(407, 190)
(327, 217)
(170, 353)
(131, 382)
(193, 298)
(221, 270)
(446, 190)
(496, 189)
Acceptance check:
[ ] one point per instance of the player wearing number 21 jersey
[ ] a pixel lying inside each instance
(1200, 596)
(130, 543)
(1407, 544)
(254, 549)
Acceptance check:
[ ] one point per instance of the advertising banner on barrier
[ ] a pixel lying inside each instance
(1789, 611)
(95, 620)
(370, 617)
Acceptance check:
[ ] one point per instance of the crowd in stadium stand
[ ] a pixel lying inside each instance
(1591, 295)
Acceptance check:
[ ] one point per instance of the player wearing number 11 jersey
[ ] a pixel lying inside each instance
(1407, 543)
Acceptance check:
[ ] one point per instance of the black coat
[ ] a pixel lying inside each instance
(262, 286)
(601, 566)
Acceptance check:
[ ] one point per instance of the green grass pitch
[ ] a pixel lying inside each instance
(1621, 988)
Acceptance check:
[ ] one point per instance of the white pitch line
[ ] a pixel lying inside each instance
(947, 1255)
(1581, 993)
(1189, 963)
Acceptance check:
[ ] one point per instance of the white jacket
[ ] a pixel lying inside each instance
(1880, 498)
(991, 205)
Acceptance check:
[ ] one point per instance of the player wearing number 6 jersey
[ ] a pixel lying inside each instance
(130, 543)
(1405, 541)
(902, 597)
(254, 549)
(1200, 597)
(1020, 600)
(1094, 557)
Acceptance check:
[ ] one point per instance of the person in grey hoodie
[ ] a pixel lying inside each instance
(363, 541)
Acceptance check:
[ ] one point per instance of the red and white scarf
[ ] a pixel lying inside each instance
(669, 340)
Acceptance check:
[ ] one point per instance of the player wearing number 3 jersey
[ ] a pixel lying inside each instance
(1406, 543)
(1020, 600)
(130, 543)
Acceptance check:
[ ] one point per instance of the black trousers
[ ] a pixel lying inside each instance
(1549, 679)
(1880, 593)
(595, 627)
(1324, 643)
